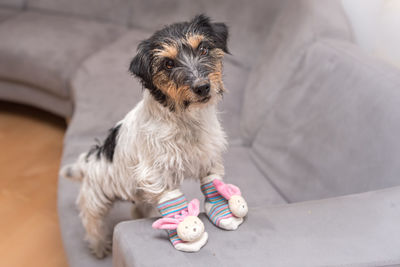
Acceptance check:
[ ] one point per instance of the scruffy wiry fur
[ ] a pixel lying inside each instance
(172, 134)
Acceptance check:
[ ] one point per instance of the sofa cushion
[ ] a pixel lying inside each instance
(22, 93)
(357, 231)
(249, 23)
(12, 3)
(116, 11)
(45, 50)
(333, 129)
(6, 13)
(299, 24)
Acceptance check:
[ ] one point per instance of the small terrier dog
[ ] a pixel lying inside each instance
(173, 133)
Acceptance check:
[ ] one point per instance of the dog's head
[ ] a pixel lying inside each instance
(181, 64)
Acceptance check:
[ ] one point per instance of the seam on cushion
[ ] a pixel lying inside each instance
(249, 152)
(303, 48)
(381, 263)
(343, 197)
(295, 69)
(362, 60)
(266, 176)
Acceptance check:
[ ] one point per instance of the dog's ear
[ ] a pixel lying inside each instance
(218, 31)
(220, 36)
(141, 64)
(200, 22)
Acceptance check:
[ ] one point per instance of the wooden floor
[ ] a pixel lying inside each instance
(30, 151)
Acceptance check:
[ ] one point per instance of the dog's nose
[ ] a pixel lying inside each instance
(202, 90)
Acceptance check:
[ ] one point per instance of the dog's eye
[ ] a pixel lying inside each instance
(203, 51)
(169, 64)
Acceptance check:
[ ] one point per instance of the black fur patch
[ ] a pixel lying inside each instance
(186, 103)
(108, 147)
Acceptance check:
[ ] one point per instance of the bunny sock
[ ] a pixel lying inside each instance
(173, 204)
(216, 206)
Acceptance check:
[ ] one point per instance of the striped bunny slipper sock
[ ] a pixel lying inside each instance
(175, 205)
(217, 207)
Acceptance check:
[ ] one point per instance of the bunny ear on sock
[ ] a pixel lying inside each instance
(226, 190)
(166, 223)
(194, 207)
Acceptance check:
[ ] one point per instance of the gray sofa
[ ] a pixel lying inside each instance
(313, 125)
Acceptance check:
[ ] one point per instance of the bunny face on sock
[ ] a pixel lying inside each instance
(190, 229)
(188, 226)
(237, 204)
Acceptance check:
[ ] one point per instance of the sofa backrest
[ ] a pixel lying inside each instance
(115, 11)
(13, 3)
(249, 21)
(333, 128)
(301, 23)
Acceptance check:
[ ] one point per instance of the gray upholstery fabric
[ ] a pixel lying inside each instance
(6, 13)
(13, 3)
(20, 93)
(104, 89)
(45, 50)
(358, 230)
(116, 11)
(299, 25)
(241, 171)
(333, 128)
(249, 22)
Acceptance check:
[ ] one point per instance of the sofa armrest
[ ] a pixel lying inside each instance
(355, 230)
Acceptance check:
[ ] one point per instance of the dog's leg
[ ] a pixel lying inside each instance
(173, 203)
(216, 206)
(143, 210)
(93, 207)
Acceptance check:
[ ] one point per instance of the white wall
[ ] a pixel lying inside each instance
(376, 25)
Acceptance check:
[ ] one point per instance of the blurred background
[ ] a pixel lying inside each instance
(32, 127)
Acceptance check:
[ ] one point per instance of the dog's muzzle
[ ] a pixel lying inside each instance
(201, 88)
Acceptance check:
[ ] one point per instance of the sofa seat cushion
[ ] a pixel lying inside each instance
(45, 50)
(358, 230)
(22, 93)
(334, 127)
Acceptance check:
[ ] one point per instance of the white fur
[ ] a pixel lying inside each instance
(156, 150)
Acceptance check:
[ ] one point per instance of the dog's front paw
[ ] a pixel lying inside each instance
(193, 246)
(224, 205)
(100, 249)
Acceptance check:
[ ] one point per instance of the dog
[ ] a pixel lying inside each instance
(172, 134)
